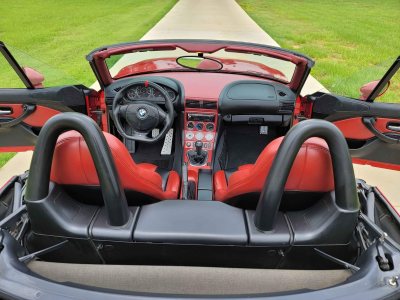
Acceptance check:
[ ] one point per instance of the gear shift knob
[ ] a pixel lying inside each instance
(199, 146)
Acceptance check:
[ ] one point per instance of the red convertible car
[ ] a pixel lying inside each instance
(197, 168)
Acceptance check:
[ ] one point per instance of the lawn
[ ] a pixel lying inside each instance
(342, 36)
(61, 33)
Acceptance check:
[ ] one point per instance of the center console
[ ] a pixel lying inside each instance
(200, 130)
(199, 141)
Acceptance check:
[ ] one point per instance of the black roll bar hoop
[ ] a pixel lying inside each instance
(110, 184)
(345, 184)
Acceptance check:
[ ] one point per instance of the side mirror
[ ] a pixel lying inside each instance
(367, 89)
(34, 76)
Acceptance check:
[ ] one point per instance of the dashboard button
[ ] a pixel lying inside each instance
(199, 126)
(188, 144)
(209, 136)
(210, 127)
(189, 135)
(199, 136)
(190, 125)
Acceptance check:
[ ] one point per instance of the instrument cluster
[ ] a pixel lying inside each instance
(142, 92)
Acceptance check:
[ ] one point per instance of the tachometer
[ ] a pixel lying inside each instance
(143, 92)
(131, 94)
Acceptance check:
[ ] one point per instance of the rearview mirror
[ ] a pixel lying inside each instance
(199, 63)
(34, 76)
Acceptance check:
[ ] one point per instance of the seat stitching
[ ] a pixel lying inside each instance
(304, 168)
(80, 157)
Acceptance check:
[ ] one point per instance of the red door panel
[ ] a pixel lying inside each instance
(36, 119)
(355, 129)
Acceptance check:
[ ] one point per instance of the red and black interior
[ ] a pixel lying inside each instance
(242, 177)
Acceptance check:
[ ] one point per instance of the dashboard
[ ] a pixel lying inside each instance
(141, 92)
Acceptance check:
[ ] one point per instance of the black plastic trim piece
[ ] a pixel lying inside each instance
(384, 81)
(14, 64)
(39, 175)
(164, 173)
(345, 185)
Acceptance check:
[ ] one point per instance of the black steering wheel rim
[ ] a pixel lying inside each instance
(164, 117)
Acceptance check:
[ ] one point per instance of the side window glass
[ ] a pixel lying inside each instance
(361, 84)
(40, 74)
(8, 77)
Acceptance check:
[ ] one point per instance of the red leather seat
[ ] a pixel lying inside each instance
(73, 165)
(311, 172)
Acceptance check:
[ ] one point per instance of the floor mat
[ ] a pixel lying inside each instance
(245, 144)
(151, 153)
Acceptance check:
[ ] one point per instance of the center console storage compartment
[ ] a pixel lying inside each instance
(204, 185)
(191, 222)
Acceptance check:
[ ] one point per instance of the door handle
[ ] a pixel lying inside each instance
(5, 110)
(369, 122)
(393, 126)
(28, 110)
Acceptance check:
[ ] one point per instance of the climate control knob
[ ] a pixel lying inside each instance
(210, 127)
(199, 126)
(190, 125)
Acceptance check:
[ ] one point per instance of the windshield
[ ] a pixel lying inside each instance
(161, 61)
(361, 84)
(52, 77)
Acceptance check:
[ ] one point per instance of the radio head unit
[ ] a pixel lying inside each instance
(200, 117)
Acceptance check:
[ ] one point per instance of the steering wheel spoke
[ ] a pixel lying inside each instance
(143, 116)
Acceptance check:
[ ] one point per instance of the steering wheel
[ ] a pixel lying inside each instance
(143, 116)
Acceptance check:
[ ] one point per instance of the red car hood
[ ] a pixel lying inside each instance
(169, 63)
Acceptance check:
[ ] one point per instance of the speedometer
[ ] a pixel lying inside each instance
(131, 94)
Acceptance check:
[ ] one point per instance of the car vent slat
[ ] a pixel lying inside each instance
(192, 103)
(209, 104)
(109, 100)
(201, 104)
(286, 106)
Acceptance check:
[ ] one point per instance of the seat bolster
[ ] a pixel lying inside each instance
(147, 166)
(244, 167)
(173, 185)
(220, 185)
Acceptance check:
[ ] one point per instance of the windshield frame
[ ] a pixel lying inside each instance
(303, 63)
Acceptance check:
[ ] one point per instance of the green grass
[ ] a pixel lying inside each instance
(61, 33)
(5, 157)
(342, 36)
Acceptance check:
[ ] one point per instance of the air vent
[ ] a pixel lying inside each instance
(118, 89)
(286, 106)
(192, 103)
(109, 100)
(209, 105)
(282, 94)
(201, 104)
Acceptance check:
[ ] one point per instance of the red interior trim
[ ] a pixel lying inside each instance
(355, 129)
(37, 118)
(16, 149)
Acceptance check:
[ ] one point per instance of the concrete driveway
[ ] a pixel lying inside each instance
(223, 20)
